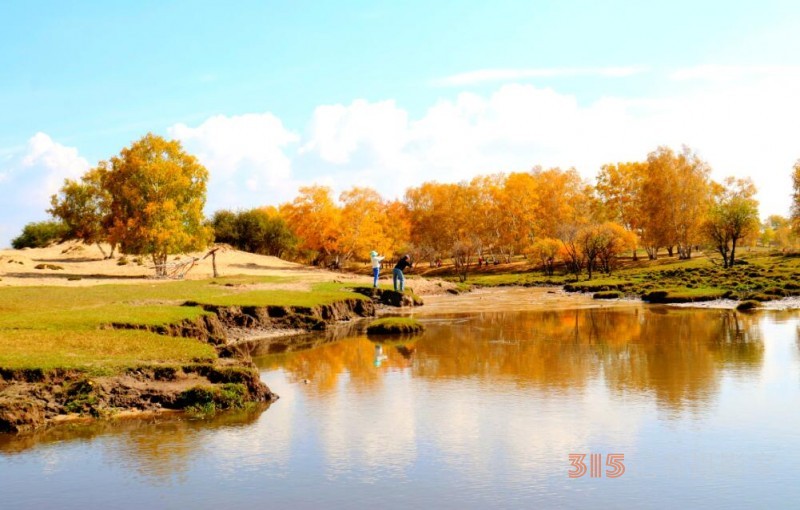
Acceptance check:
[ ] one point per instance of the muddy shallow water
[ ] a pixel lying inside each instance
(482, 410)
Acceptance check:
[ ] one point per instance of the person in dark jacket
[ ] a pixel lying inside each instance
(397, 272)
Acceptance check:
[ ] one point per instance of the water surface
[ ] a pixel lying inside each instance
(482, 410)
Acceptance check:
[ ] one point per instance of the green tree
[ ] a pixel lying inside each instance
(157, 196)
(85, 208)
(224, 224)
(263, 231)
(732, 216)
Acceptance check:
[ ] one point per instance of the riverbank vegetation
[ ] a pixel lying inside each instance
(759, 275)
(102, 349)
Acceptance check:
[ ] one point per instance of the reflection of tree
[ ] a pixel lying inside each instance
(675, 353)
(323, 365)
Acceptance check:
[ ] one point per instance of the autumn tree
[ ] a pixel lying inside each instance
(85, 208)
(572, 249)
(674, 198)
(363, 227)
(316, 220)
(546, 250)
(396, 227)
(615, 240)
(796, 195)
(428, 217)
(443, 217)
(520, 211)
(157, 196)
(619, 187)
(732, 216)
(776, 232)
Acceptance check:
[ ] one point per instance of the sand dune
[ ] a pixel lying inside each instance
(75, 264)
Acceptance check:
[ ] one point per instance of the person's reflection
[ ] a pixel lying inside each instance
(380, 357)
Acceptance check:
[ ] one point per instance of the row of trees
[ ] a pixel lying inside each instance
(148, 200)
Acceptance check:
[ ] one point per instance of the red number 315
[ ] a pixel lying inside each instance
(613, 460)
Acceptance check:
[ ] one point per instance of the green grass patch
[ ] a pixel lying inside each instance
(99, 352)
(683, 295)
(607, 294)
(395, 326)
(761, 276)
(205, 401)
(68, 328)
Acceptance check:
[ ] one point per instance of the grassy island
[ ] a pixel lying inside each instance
(395, 326)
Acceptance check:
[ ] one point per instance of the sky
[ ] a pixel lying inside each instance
(271, 96)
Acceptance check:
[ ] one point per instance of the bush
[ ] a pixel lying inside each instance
(610, 294)
(40, 235)
(255, 231)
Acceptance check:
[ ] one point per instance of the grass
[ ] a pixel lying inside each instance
(395, 325)
(762, 276)
(67, 328)
(99, 352)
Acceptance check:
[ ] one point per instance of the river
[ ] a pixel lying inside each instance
(491, 408)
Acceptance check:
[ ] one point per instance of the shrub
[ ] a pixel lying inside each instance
(748, 305)
(610, 294)
(40, 235)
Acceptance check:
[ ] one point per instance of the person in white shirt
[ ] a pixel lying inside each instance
(376, 267)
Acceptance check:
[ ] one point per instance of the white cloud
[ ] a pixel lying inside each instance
(507, 75)
(729, 73)
(245, 156)
(742, 129)
(29, 177)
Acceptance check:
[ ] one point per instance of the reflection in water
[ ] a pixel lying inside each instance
(157, 448)
(675, 353)
(479, 411)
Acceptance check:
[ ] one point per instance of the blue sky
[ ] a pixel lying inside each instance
(275, 95)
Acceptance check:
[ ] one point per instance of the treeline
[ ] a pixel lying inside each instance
(149, 199)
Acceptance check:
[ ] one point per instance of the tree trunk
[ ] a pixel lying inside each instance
(102, 250)
(733, 252)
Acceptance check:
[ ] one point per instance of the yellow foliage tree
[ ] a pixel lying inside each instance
(675, 196)
(620, 189)
(363, 227)
(546, 251)
(157, 196)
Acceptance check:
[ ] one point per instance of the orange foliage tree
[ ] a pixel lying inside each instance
(316, 220)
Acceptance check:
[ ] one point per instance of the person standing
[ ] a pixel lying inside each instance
(397, 273)
(376, 267)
